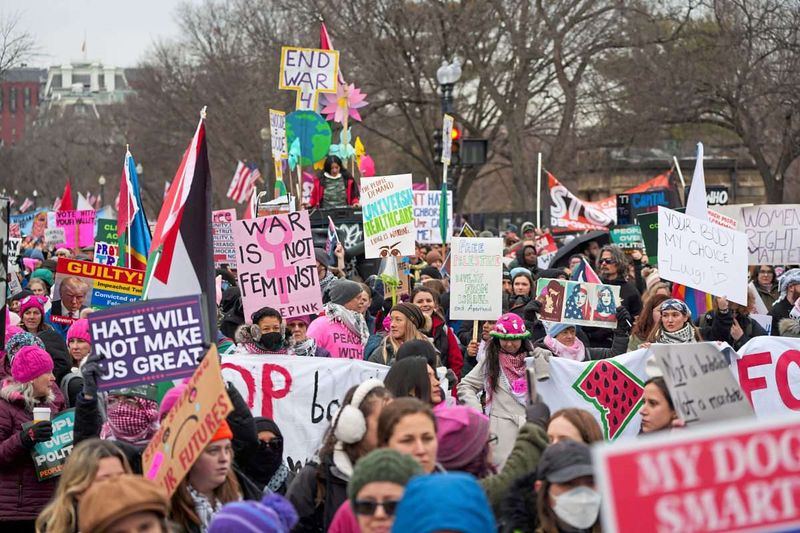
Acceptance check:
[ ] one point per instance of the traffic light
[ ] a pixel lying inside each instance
(455, 150)
(437, 145)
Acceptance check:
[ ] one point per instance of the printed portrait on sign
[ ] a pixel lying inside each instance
(605, 307)
(577, 306)
(552, 298)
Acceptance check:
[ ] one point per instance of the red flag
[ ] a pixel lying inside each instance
(66, 199)
(326, 44)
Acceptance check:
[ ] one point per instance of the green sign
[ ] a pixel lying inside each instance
(49, 457)
(106, 230)
(628, 237)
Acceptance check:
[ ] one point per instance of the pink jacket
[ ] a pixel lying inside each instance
(344, 521)
(336, 338)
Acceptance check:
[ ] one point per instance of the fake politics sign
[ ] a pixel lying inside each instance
(578, 302)
(773, 234)
(301, 394)
(387, 209)
(476, 277)
(276, 264)
(80, 284)
(308, 71)
(733, 477)
(189, 426)
(76, 224)
(426, 215)
(49, 456)
(148, 342)
(222, 237)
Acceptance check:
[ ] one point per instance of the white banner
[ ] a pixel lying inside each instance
(773, 234)
(387, 209)
(476, 278)
(426, 216)
(702, 255)
(768, 370)
(301, 394)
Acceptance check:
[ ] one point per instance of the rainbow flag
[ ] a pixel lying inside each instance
(699, 302)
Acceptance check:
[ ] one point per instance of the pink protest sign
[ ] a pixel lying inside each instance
(276, 264)
(84, 220)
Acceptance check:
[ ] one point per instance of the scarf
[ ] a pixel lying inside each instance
(307, 348)
(203, 507)
(576, 352)
(134, 424)
(512, 373)
(682, 336)
(278, 479)
(352, 320)
(327, 280)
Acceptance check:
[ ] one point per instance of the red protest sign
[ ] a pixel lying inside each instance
(722, 477)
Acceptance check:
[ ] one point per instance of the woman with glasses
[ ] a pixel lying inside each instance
(765, 281)
(266, 467)
(32, 313)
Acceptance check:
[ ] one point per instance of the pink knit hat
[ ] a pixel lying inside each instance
(79, 330)
(462, 433)
(510, 326)
(169, 400)
(30, 363)
(32, 301)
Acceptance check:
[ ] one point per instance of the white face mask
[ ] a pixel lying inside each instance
(578, 507)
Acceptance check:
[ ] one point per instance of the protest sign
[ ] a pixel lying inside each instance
(404, 270)
(106, 230)
(627, 237)
(106, 242)
(49, 456)
(277, 129)
(764, 320)
(276, 264)
(387, 209)
(301, 394)
(150, 341)
(54, 236)
(702, 255)
(13, 230)
(308, 71)
(767, 370)
(610, 389)
(189, 426)
(624, 215)
(447, 138)
(569, 213)
(546, 249)
(14, 244)
(76, 224)
(222, 237)
(700, 382)
(476, 278)
(578, 302)
(731, 477)
(31, 224)
(773, 234)
(722, 220)
(80, 284)
(426, 215)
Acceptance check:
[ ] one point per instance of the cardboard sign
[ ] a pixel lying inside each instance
(545, 244)
(189, 426)
(31, 224)
(722, 220)
(426, 215)
(702, 255)
(578, 302)
(701, 383)
(148, 342)
(773, 234)
(276, 264)
(222, 237)
(309, 71)
(627, 237)
(91, 285)
(447, 139)
(277, 128)
(767, 371)
(387, 210)
(476, 278)
(731, 477)
(49, 457)
(404, 269)
(301, 394)
(54, 236)
(80, 223)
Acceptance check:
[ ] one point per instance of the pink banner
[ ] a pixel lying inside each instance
(276, 264)
(84, 220)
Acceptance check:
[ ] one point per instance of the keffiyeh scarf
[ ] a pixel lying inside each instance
(353, 321)
(307, 348)
(134, 423)
(682, 336)
(205, 509)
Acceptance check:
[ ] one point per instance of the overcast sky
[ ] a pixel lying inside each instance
(117, 33)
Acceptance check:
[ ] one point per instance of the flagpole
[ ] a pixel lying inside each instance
(680, 175)
(539, 191)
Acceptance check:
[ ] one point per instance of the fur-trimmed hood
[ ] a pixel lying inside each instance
(789, 327)
(21, 394)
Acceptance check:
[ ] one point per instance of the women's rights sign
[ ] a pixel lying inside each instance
(277, 268)
(387, 208)
(577, 302)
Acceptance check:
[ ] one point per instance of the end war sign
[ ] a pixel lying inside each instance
(147, 342)
(308, 71)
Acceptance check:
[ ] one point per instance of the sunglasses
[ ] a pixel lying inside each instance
(607, 261)
(368, 507)
(274, 444)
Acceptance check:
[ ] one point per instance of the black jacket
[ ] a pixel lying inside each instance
(631, 300)
(306, 490)
(519, 508)
(779, 311)
(57, 348)
(716, 326)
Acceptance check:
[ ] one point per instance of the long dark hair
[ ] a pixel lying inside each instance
(493, 360)
(409, 378)
(644, 322)
(659, 382)
(329, 161)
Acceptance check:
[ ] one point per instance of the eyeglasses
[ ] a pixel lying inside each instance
(493, 439)
(607, 261)
(368, 507)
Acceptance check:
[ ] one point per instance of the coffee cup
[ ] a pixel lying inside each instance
(41, 414)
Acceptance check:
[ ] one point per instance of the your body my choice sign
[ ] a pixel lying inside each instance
(148, 342)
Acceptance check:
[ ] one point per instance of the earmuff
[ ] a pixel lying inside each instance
(350, 425)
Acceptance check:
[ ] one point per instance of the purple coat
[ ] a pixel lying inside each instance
(22, 497)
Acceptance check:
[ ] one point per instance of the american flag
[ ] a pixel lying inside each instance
(25, 205)
(243, 183)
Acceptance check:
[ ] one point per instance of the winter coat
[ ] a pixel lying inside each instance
(716, 326)
(57, 348)
(780, 311)
(619, 345)
(631, 300)
(377, 355)
(374, 342)
(336, 338)
(768, 296)
(317, 500)
(789, 327)
(445, 341)
(318, 191)
(22, 497)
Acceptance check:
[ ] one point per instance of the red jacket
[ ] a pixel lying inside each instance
(318, 191)
(22, 497)
(447, 343)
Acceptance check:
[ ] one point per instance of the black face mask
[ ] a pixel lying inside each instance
(272, 342)
(266, 461)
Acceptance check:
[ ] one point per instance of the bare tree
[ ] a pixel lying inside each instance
(16, 45)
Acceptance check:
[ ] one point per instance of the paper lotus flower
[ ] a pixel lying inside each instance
(347, 101)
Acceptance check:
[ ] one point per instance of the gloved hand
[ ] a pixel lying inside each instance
(91, 372)
(39, 432)
(538, 413)
(624, 320)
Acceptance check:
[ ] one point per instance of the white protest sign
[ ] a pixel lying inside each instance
(301, 394)
(447, 139)
(222, 237)
(773, 234)
(476, 278)
(768, 371)
(700, 381)
(277, 129)
(722, 220)
(387, 210)
(309, 71)
(14, 244)
(702, 255)
(54, 236)
(426, 215)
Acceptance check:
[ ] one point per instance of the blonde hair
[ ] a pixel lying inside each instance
(412, 333)
(26, 391)
(76, 478)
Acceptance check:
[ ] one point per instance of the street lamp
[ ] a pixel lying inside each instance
(102, 181)
(139, 169)
(35, 196)
(447, 75)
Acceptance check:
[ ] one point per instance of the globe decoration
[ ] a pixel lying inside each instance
(313, 132)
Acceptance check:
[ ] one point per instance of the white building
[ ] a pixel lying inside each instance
(83, 83)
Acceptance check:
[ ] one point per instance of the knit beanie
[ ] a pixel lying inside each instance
(29, 264)
(521, 271)
(265, 424)
(79, 330)
(273, 514)
(44, 275)
(305, 319)
(224, 432)
(321, 256)
(18, 341)
(342, 291)
(383, 464)
(29, 363)
(444, 502)
(412, 312)
(554, 328)
(32, 302)
(462, 433)
(169, 399)
(37, 254)
(431, 272)
(509, 327)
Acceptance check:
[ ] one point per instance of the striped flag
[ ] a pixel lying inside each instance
(27, 204)
(332, 242)
(243, 183)
(585, 272)
(132, 229)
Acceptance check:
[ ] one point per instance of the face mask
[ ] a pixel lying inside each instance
(271, 341)
(578, 507)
